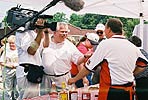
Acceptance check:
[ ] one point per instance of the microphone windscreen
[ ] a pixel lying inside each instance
(75, 5)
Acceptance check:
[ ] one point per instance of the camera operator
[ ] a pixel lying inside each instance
(30, 44)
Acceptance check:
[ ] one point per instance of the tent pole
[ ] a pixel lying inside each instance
(141, 27)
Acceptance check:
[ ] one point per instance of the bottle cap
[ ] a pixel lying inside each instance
(63, 85)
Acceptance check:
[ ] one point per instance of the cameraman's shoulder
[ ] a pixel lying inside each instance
(23, 34)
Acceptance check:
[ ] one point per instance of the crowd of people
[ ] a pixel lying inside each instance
(105, 57)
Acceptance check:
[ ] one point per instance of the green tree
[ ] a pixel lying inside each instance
(129, 25)
(60, 17)
(89, 21)
(76, 20)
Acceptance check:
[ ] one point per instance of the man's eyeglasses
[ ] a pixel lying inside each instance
(64, 32)
(99, 32)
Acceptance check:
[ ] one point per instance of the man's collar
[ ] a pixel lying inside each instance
(118, 36)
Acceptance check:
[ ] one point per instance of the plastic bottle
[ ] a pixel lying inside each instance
(53, 92)
(85, 93)
(63, 93)
(73, 94)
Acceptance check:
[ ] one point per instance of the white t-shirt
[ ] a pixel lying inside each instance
(10, 57)
(57, 58)
(23, 41)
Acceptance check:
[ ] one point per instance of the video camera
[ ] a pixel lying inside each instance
(48, 23)
(16, 16)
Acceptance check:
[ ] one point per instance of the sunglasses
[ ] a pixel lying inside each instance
(99, 32)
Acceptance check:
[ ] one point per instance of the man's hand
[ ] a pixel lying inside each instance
(85, 81)
(40, 23)
(71, 81)
(88, 54)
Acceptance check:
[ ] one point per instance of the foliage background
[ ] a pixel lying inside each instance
(89, 21)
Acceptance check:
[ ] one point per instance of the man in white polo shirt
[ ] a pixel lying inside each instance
(118, 59)
(58, 57)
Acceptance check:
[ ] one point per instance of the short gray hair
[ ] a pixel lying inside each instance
(64, 24)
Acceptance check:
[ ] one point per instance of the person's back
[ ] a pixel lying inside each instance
(141, 78)
(119, 60)
(145, 72)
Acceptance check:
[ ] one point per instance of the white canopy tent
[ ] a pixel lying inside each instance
(120, 8)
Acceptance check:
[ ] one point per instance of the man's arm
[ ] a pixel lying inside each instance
(46, 38)
(83, 58)
(138, 70)
(36, 43)
(79, 76)
(40, 33)
(7, 65)
(80, 67)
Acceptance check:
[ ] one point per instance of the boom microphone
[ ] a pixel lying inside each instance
(75, 5)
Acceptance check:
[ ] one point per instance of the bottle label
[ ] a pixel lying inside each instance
(86, 96)
(63, 96)
(74, 96)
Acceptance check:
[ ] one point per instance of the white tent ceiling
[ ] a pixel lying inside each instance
(122, 8)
